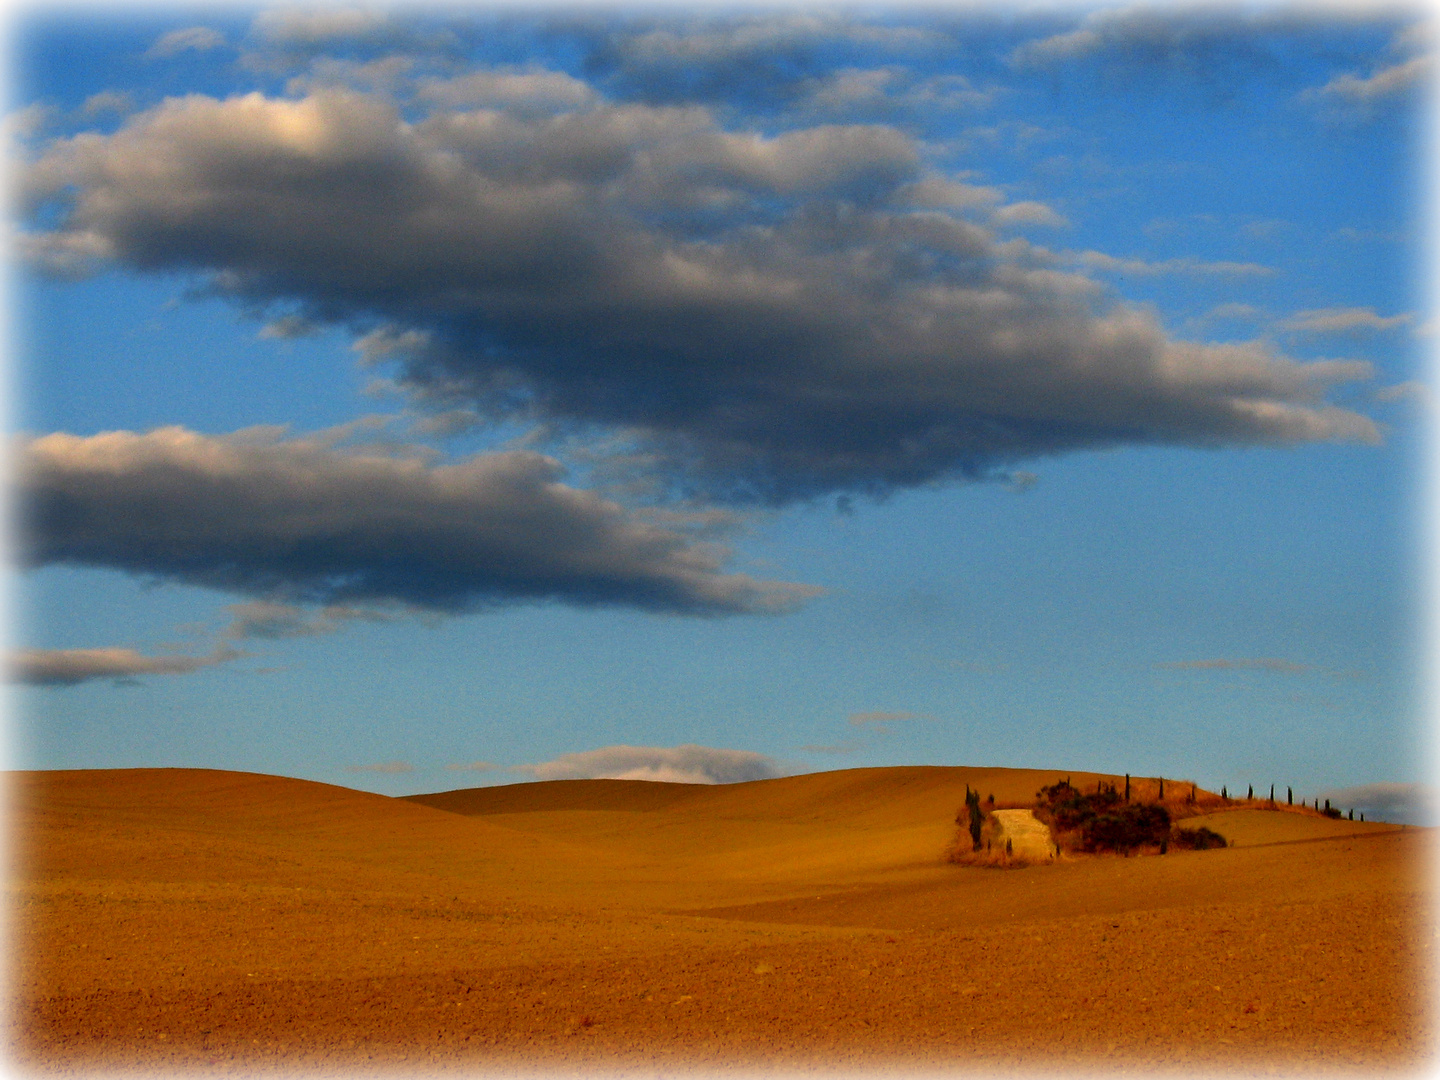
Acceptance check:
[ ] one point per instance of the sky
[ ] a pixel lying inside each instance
(419, 398)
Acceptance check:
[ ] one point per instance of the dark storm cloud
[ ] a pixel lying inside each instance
(767, 317)
(300, 521)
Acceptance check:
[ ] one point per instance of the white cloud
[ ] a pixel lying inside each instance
(1028, 213)
(1340, 320)
(687, 764)
(190, 38)
(1098, 260)
(1387, 82)
(389, 767)
(1067, 46)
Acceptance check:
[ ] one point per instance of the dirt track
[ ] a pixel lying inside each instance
(214, 922)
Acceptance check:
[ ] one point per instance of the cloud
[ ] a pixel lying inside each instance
(533, 87)
(1100, 261)
(271, 621)
(299, 521)
(288, 328)
(316, 26)
(1285, 667)
(190, 38)
(392, 767)
(107, 101)
(1352, 89)
(68, 667)
(1410, 390)
(1413, 804)
(888, 91)
(764, 59)
(881, 721)
(766, 317)
(1341, 320)
(687, 764)
(1069, 45)
(1028, 213)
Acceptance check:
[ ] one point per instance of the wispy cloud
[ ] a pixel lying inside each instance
(270, 620)
(881, 721)
(1271, 664)
(1383, 83)
(389, 767)
(187, 39)
(1343, 320)
(1098, 260)
(69, 667)
(688, 764)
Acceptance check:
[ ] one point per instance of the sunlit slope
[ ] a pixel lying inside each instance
(877, 796)
(1249, 827)
(696, 844)
(197, 825)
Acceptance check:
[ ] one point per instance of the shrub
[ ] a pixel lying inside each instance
(1196, 839)
(1126, 829)
(1103, 821)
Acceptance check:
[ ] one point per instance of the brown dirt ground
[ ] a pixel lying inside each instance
(203, 922)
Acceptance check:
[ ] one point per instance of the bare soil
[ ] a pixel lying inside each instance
(201, 922)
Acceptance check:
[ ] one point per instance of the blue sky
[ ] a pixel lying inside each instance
(414, 399)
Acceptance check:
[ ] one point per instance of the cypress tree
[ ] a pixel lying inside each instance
(1289, 797)
(1251, 793)
(1162, 789)
(1127, 787)
(1224, 794)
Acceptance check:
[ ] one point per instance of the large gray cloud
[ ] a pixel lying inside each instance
(300, 521)
(688, 764)
(772, 317)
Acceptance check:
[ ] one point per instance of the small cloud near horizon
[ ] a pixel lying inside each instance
(1411, 804)
(687, 764)
(881, 721)
(392, 767)
(1288, 667)
(472, 766)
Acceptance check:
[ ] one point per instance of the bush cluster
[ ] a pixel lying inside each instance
(1106, 821)
(1201, 839)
